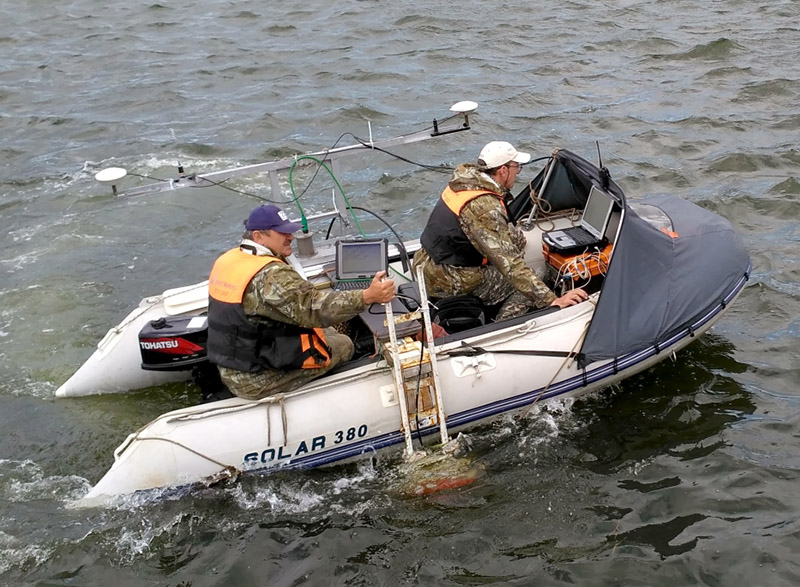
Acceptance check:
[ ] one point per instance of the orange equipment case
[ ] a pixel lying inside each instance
(592, 261)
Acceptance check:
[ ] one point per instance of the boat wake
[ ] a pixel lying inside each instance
(24, 541)
(23, 481)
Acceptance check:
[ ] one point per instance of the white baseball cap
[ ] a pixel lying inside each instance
(499, 153)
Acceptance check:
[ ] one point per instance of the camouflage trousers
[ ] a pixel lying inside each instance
(271, 382)
(494, 289)
(486, 283)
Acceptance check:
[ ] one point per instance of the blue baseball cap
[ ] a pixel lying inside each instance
(271, 218)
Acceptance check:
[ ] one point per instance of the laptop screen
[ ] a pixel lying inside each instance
(597, 212)
(360, 259)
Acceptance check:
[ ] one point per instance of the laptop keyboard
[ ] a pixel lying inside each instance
(352, 284)
(581, 236)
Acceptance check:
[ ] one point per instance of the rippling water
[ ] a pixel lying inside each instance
(684, 475)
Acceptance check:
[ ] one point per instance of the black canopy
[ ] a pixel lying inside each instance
(658, 283)
(673, 262)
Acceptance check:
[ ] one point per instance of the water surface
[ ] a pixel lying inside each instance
(684, 475)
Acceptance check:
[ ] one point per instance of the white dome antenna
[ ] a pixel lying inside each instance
(110, 176)
(464, 107)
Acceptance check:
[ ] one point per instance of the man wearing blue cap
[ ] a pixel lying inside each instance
(268, 328)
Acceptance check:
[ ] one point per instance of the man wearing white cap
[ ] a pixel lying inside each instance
(469, 246)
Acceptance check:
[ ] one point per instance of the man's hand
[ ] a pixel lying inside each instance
(379, 292)
(572, 297)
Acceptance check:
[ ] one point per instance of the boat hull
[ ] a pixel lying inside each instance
(356, 412)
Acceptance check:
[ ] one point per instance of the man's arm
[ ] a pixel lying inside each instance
(278, 292)
(486, 226)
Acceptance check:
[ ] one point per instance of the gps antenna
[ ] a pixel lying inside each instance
(175, 140)
(605, 176)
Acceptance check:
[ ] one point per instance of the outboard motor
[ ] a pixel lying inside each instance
(173, 344)
(178, 343)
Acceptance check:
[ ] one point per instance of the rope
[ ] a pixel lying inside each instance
(281, 399)
(284, 420)
(572, 354)
(269, 427)
(230, 468)
(541, 211)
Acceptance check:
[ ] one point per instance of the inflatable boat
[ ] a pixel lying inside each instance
(660, 272)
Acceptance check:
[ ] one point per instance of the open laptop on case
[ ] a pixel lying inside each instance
(357, 262)
(591, 229)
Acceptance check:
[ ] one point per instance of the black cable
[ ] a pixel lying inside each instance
(324, 159)
(407, 297)
(146, 177)
(400, 245)
(442, 168)
(416, 393)
(536, 160)
(242, 192)
(417, 302)
(330, 227)
(362, 142)
(216, 184)
(401, 296)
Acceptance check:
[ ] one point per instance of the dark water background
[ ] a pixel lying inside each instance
(685, 475)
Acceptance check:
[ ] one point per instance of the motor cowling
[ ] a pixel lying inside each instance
(175, 343)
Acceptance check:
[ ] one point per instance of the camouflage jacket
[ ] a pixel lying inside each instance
(280, 293)
(485, 223)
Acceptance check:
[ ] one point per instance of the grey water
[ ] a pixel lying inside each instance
(684, 475)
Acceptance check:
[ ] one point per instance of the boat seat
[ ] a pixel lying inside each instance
(466, 328)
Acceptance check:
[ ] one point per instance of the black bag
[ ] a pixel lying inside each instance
(459, 313)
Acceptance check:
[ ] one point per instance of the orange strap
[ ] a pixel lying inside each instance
(316, 340)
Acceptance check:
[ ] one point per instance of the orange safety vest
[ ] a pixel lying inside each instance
(236, 341)
(443, 239)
